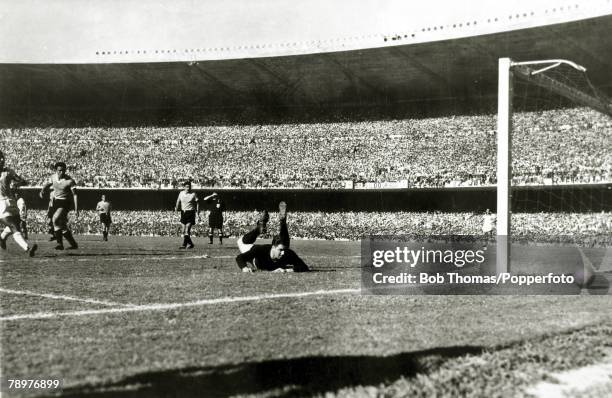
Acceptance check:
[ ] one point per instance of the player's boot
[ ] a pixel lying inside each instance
(32, 250)
(71, 241)
(190, 244)
(262, 223)
(282, 210)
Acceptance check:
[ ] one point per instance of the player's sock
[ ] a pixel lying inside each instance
(221, 239)
(68, 235)
(20, 241)
(32, 250)
(184, 245)
(210, 237)
(262, 223)
(284, 232)
(251, 236)
(59, 239)
(190, 244)
(51, 232)
(3, 237)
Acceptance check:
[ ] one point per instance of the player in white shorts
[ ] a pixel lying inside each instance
(488, 223)
(104, 211)
(9, 213)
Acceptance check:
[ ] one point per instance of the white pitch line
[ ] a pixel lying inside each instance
(105, 258)
(573, 382)
(134, 258)
(62, 297)
(171, 306)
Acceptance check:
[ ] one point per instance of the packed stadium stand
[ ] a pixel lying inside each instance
(593, 229)
(550, 147)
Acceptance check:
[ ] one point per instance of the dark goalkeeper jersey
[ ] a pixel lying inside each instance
(259, 255)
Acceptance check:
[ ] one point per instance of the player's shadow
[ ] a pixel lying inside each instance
(279, 378)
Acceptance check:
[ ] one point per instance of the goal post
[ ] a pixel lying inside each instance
(533, 73)
(504, 163)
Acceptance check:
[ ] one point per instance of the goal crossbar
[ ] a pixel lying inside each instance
(523, 71)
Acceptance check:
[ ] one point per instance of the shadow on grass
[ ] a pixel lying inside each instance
(279, 378)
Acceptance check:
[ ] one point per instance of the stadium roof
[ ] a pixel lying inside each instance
(420, 55)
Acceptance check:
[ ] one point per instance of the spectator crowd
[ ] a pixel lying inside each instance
(549, 147)
(582, 228)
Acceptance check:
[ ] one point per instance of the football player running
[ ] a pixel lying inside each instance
(9, 213)
(64, 200)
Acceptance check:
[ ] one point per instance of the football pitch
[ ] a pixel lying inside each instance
(137, 317)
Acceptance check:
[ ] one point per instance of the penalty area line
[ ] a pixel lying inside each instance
(136, 257)
(62, 297)
(172, 306)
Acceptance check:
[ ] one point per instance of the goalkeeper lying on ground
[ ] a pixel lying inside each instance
(276, 257)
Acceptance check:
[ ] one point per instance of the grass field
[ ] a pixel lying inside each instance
(138, 317)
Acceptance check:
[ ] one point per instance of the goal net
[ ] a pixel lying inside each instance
(553, 104)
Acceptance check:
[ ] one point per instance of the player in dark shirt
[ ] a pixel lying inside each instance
(215, 216)
(276, 257)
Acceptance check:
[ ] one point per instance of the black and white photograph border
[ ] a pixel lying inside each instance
(323, 198)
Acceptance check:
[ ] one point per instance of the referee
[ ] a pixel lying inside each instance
(215, 216)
